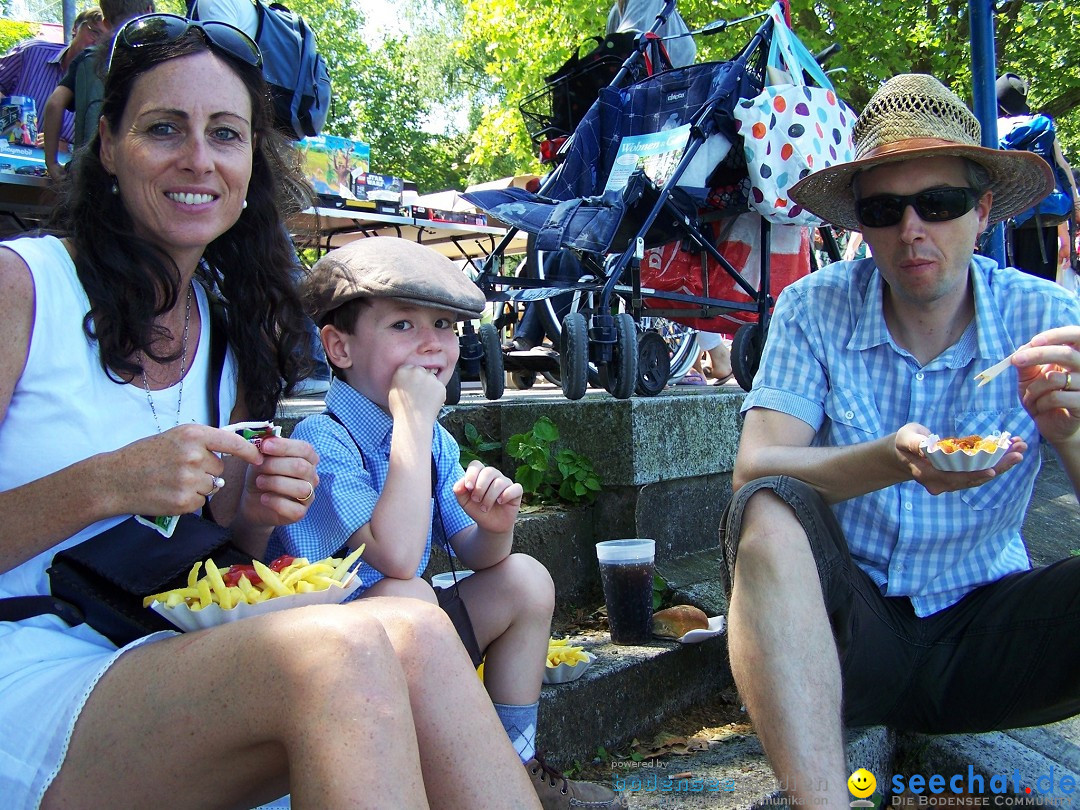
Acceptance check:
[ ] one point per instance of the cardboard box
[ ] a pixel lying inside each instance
(19, 159)
(330, 162)
(368, 186)
(18, 120)
(439, 215)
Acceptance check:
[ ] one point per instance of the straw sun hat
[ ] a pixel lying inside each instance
(912, 116)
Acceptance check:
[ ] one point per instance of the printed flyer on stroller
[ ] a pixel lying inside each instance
(658, 153)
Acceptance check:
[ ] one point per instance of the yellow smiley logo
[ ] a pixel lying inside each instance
(861, 783)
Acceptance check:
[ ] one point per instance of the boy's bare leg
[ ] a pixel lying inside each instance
(309, 700)
(510, 605)
(783, 655)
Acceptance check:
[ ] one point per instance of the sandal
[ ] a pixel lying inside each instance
(725, 379)
(692, 377)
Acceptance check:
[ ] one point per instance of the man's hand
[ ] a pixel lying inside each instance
(1049, 372)
(489, 498)
(935, 481)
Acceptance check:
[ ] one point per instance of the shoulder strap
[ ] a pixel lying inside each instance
(219, 343)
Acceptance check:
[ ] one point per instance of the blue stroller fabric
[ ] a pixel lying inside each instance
(575, 211)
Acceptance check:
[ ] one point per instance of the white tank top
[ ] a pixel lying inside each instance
(65, 408)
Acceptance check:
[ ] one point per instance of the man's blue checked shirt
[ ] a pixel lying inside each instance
(829, 361)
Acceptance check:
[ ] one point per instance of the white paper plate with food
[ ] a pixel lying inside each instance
(565, 661)
(966, 453)
(243, 591)
(717, 625)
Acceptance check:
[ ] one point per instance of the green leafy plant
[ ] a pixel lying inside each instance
(548, 475)
(659, 591)
(477, 446)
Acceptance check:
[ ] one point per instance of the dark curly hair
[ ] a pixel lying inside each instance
(251, 267)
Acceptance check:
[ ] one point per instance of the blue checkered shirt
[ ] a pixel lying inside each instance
(350, 482)
(830, 362)
(32, 68)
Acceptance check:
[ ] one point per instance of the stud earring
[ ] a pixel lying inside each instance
(244, 205)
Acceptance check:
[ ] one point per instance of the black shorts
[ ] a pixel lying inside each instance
(1006, 655)
(451, 602)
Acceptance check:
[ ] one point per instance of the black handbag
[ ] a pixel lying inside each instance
(107, 576)
(102, 580)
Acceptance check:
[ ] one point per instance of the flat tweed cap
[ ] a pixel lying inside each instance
(389, 267)
(913, 116)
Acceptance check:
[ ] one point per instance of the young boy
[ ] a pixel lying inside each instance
(386, 309)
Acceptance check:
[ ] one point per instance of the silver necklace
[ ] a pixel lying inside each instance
(183, 367)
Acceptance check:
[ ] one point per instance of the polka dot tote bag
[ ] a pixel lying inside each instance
(791, 128)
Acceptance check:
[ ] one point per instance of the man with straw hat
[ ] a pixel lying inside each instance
(871, 587)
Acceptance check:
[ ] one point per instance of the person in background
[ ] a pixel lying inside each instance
(1033, 242)
(104, 404)
(33, 68)
(82, 86)
(867, 586)
(639, 15)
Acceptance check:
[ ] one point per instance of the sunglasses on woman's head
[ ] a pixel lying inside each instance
(932, 205)
(158, 29)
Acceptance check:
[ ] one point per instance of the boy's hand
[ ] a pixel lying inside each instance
(489, 497)
(415, 391)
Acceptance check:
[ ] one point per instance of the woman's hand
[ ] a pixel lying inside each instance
(171, 473)
(282, 487)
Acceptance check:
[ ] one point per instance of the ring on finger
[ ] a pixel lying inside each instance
(1068, 381)
(310, 495)
(218, 482)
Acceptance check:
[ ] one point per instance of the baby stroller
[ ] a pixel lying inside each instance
(612, 216)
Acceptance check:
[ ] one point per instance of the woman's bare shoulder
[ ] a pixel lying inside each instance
(16, 320)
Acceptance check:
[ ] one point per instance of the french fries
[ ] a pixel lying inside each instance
(257, 582)
(561, 651)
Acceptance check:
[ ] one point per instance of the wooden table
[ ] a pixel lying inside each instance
(25, 200)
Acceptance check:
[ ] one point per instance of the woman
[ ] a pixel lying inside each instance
(103, 374)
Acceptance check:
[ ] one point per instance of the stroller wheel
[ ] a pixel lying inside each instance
(746, 350)
(620, 373)
(492, 374)
(574, 356)
(453, 388)
(654, 364)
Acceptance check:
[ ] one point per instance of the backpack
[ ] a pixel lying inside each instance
(297, 75)
(1037, 133)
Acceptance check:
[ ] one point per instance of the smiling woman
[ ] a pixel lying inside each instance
(110, 407)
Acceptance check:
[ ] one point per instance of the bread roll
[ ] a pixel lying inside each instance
(676, 622)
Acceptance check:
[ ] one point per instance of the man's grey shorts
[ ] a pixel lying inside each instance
(1004, 656)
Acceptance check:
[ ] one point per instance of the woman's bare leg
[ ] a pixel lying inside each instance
(311, 701)
(467, 759)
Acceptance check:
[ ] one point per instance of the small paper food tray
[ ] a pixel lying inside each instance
(716, 627)
(190, 620)
(564, 673)
(964, 460)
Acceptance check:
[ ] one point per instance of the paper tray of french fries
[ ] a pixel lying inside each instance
(242, 591)
(565, 661)
(965, 453)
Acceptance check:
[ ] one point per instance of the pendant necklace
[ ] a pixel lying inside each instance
(183, 367)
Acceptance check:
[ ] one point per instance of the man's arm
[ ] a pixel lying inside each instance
(775, 443)
(51, 121)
